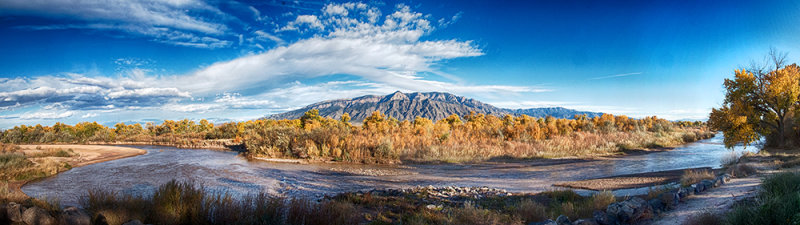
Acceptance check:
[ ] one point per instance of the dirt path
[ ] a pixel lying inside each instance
(717, 200)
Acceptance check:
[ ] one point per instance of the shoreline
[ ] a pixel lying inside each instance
(95, 154)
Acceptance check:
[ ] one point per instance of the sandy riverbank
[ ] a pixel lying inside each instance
(85, 154)
(82, 155)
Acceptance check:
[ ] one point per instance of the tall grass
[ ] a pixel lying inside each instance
(186, 203)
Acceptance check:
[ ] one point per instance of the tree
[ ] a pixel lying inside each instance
(759, 103)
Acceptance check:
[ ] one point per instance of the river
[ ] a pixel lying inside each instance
(227, 172)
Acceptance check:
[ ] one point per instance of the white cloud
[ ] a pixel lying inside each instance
(75, 91)
(171, 22)
(89, 115)
(261, 35)
(310, 21)
(45, 115)
(376, 54)
(389, 51)
(615, 76)
(148, 93)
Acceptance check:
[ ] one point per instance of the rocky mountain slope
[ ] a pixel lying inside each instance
(407, 106)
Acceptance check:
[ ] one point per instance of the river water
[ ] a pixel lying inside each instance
(228, 172)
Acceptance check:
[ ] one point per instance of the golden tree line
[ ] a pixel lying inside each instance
(384, 139)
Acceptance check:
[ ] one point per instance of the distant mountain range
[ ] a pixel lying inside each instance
(431, 105)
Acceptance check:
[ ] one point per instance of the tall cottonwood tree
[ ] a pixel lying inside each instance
(760, 102)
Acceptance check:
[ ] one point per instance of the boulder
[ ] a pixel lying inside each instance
(38, 216)
(631, 210)
(707, 184)
(14, 212)
(3, 213)
(698, 188)
(100, 220)
(676, 196)
(726, 177)
(657, 204)
(563, 220)
(584, 222)
(74, 216)
(600, 217)
(546, 222)
(133, 222)
(718, 181)
(689, 191)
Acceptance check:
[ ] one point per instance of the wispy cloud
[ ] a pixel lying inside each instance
(376, 52)
(171, 22)
(616, 76)
(353, 41)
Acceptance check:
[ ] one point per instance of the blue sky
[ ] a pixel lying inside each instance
(146, 60)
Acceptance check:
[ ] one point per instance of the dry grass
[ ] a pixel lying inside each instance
(185, 203)
(531, 211)
(19, 167)
(693, 176)
(471, 215)
(52, 153)
(8, 148)
(572, 205)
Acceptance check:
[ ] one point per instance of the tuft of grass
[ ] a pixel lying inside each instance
(690, 177)
(471, 215)
(8, 148)
(531, 211)
(572, 205)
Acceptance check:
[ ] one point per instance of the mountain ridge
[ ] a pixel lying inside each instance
(431, 105)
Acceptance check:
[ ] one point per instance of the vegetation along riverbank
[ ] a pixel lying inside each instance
(382, 139)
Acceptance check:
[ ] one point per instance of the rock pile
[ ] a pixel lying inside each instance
(448, 194)
(13, 213)
(637, 209)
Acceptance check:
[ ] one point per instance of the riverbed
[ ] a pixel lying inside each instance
(228, 172)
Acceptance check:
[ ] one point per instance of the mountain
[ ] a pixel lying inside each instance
(407, 106)
(557, 112)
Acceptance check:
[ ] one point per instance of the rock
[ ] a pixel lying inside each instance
(38, 216)
(631, 210)
(546, 222)
(676, 197)
(133, 222)
(584, 222)
(707, 184)
(563, 220)
(726, 177)
(3, 212)
(74, 216)
(657, 204)
(600, 217)
(718, 181)
(697, 188)
(689, 191)
(100, 220)
(14, 212)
